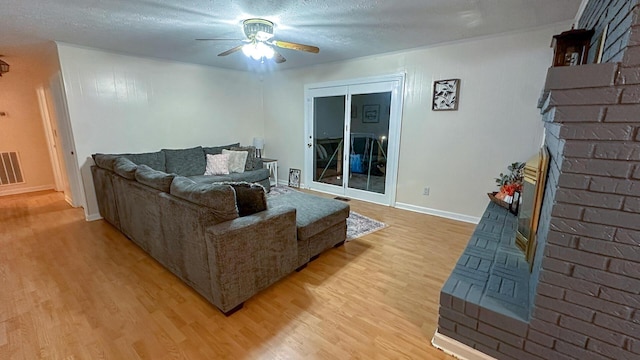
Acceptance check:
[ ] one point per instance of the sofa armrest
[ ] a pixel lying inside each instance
(250, 253)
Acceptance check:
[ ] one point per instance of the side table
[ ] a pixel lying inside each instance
(272, 165)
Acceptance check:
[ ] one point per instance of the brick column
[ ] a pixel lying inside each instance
(587, 300)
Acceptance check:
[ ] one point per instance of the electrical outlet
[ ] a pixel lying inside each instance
(426, 191)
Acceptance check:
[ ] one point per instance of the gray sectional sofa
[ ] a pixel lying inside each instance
(218, 234)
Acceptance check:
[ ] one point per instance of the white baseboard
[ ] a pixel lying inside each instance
(419, 209)
(93, 217)
(24, 190)
(440, 213)
(457, 349)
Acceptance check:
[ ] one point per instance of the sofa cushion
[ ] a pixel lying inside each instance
(221, 199)
(155, 160)
(185, 162)
(251, 163)
(158, 180)
(250, 198)
(213, 150)
(209, 179)
(104, 161)
(250, 176)
(313, 213)
(125, 168)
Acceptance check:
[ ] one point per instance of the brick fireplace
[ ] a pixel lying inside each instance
(582, 299)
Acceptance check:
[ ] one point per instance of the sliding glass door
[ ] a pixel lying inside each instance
(352, 138)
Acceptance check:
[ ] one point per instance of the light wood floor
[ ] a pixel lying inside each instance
(76, 289)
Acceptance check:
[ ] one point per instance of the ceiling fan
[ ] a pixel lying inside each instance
(259, 42)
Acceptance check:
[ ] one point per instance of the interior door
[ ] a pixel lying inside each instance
(352, 139)
(74, 193)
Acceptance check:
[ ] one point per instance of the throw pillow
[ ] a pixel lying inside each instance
(158, 180)
(219, 198)
(214, 150)
(250, 198)
(321, 152)
(104, 161)
(155, 160)
(237, 159)
(125, 168)
(217, 164)
(252, 160)
(185, 162)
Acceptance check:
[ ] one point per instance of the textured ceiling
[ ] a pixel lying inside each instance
(342, 29)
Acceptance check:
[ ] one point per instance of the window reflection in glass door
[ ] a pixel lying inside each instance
(368, 144)
(328, 134)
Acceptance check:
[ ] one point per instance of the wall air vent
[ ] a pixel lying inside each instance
(10, 169)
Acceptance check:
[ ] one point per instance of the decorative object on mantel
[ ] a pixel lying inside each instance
(4, 67)
(445, 94)
(571, 47)
(510, 184)
(515, 202)
(600, 43)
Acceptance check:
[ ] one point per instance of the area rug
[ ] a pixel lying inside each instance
(357, 224)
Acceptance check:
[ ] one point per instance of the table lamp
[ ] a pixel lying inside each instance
(258, 143)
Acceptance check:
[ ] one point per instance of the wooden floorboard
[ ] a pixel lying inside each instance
(76, 289)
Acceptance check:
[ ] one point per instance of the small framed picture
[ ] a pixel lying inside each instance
(370, 113)
(445, 94)
(294, 178)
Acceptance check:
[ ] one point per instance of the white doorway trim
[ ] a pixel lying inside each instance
(50, 136)
(76, 197)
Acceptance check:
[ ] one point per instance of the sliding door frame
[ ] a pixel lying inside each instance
(341, 87)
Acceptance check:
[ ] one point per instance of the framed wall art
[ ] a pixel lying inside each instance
(445, 94)
(294, 178)
(370, 113)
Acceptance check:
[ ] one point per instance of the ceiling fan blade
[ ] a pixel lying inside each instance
(278, 58)
(296, 46)
(231, 51)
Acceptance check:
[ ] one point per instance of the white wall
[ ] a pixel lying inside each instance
(455, 153)
(22, 129)
(121, 103)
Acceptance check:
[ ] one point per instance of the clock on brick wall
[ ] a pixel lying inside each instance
(571, 47)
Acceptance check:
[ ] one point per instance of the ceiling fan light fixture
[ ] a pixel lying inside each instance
(258, 51)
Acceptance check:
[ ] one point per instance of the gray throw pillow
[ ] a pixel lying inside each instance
(185, 162)
(158, 180)
(155, 160)
(105, 161)
(251, 163)
(215, 150)
(219, 198)
(125, 168)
